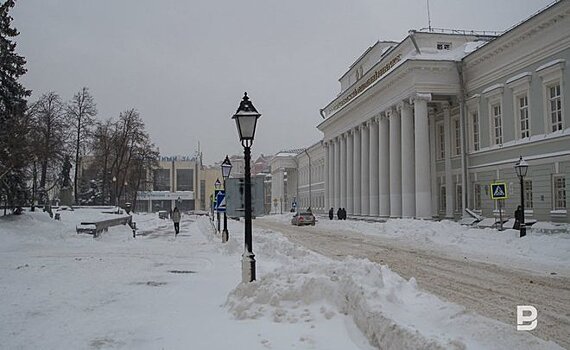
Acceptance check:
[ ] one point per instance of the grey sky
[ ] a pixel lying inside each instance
(184, 65)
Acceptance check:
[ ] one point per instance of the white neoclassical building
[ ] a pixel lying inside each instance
(422, 127)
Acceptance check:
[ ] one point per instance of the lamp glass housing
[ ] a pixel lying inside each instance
(226, 168)
(521, 167)
(246, 119)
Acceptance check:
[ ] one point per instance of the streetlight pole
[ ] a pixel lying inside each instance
(521, 169)
(226, 169)
(217, 185)
(246, 119)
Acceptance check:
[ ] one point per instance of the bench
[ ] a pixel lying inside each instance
(96, 227)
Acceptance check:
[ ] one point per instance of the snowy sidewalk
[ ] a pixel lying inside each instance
(61, 290)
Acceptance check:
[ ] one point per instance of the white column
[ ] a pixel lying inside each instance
(350, 173)
(330, 184)
(408, 168)
(365, 170)
(326, 175)
(449, 190)
(395, 165)
(356, 169)
(423, 182)
(384, 166)
(343, 170)
(433, 150)
(336, 172)
(374, 167)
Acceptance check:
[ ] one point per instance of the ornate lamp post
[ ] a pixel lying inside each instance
(521, 168)
(218, 186)
(246, 120)
(226, 170)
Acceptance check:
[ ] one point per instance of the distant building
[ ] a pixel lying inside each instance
(174, 183)
(298, 179)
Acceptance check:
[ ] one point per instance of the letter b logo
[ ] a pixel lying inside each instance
(526, 317)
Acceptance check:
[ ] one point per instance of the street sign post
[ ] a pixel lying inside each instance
(499, 193)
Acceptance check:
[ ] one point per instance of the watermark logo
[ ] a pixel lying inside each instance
(526, 317)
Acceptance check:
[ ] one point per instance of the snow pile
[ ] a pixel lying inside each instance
(540, 252)
(392, 312)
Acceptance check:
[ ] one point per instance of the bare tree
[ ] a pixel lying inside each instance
(81, 110)
(51, 136)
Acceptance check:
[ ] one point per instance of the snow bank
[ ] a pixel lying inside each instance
(392, 312)
(539, 251)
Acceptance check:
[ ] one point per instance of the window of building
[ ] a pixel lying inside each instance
(555, 107)
(442, 195)
(444, 46)
(475, 129)
(528, 202)
(497, 122)
(477, 196)
(184, 179)
(520, 85)
(559, 192)
(456, 137)
(458, 200)
(440, 141)
(551, 74)
(524, 125)
(161, 180)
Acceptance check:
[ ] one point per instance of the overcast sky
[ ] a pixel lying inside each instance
(184, 65)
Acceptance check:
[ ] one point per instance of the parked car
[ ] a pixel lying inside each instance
(305, 218)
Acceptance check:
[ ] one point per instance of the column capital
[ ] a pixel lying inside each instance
(403, 104)
(392, 112)
(421, 96)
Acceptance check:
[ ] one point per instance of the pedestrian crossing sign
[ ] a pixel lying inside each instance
(499, 190)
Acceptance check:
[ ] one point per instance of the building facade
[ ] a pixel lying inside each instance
(421, 128)
(174, 183)
(298, 177)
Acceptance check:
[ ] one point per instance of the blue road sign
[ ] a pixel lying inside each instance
(220, 204)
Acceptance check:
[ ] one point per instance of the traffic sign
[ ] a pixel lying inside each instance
(499, 190)
(220, 197)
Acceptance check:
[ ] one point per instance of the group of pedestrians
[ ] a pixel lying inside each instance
(340, 214)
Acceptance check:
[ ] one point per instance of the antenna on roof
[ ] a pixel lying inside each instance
(429, 17)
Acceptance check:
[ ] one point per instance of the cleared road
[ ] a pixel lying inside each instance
(487, 289)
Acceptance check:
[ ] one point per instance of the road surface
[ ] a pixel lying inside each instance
(489, 290)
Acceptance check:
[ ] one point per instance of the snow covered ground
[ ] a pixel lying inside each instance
(539, 251)
(60, 290)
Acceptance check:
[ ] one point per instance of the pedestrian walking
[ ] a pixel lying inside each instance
(518, 218)
(339, 214)
(343, 213)
(331, 213)
(176, 219)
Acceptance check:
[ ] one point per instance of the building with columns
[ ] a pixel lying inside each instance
(298, 177)
(422, 127)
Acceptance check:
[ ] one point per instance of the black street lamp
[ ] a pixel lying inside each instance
(226, 170)
(246, 119)
(218, 186)
(521, 168)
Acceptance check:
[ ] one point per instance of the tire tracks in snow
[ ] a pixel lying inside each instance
(489, 290)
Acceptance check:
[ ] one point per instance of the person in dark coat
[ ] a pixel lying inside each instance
(331, 213)
(518, 218)
(176, 219)
(339, 214)
(344, 213)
